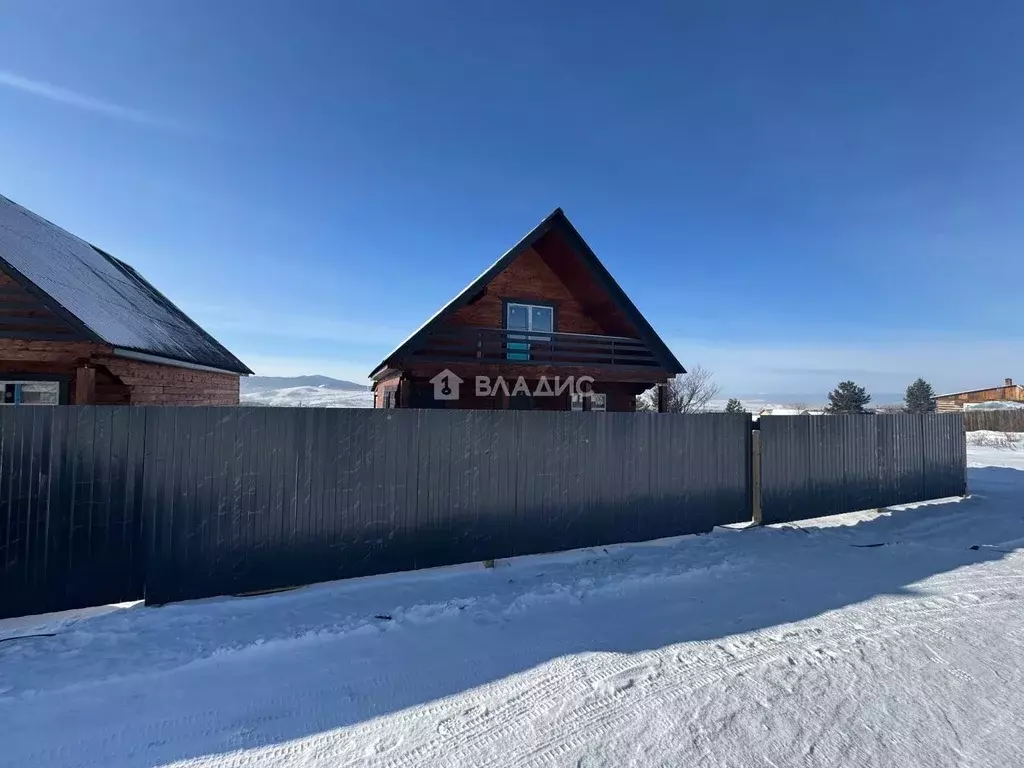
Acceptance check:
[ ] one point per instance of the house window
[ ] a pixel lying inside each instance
(30, 392)
(389, 398)
(595, 402)
(537, 318)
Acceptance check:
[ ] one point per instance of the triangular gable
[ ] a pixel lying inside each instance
(555, 222)
(24, 314)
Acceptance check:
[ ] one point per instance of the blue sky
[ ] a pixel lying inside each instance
(792, 193)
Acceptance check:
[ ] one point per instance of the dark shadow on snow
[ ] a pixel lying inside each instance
(454, 632)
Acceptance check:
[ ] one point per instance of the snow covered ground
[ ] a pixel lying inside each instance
(310, 397)
(870, 639)
(994, 405)
(1006, 447)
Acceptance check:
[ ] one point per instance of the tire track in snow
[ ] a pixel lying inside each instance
(496, 722)
(481, 718)
(594, 720)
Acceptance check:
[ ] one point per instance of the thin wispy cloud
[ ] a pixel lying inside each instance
(85, 102)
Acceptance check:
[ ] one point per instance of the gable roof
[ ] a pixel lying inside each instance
(555, 221)
(104, 298)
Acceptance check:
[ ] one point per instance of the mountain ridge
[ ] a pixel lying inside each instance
(252, 384)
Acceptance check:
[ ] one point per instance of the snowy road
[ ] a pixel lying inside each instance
(894, 639)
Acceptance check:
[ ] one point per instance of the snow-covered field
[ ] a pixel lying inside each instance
(994, 405)
(993, 446)
(310, 397)
(892, 639)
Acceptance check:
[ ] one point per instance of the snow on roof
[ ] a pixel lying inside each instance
(982, 389)
(994, 405)
(110, 299)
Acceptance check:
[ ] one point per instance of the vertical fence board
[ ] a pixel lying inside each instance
(823, 465)
(1003, 420)
(68, 499)
(357, 492)
(98, 504)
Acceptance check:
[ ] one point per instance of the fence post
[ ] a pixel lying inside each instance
(755, 465)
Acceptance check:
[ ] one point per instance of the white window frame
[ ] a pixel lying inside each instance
(522, 338)
(14, 384)
(529, 315)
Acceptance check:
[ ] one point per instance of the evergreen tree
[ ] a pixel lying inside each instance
(920, 397)
(734, 406)
(847, 398)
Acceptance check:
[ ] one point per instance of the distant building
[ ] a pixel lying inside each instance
(955, 401)
(80, 327)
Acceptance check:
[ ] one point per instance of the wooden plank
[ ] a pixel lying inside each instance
(37, 335)
(85, 385)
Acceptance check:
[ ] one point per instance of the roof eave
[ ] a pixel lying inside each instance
(980, 389)
(466, 294)
(670, 363)
(148, 357)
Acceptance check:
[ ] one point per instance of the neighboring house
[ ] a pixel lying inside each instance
(954, 401)
(548, 308)
(78, 326)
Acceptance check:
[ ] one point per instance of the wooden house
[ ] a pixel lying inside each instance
(78, 326)
(544, 314)
(955, 401)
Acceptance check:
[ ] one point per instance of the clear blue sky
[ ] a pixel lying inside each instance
(792, 193)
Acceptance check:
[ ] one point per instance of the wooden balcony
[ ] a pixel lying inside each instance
(498, 345)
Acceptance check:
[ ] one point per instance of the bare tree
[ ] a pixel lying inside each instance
(648, 401)
(891, 408)
(687, 393)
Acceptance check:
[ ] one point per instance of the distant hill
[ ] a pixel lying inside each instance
(253, 384)
(310, 397)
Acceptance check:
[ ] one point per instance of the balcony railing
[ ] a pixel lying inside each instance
(495, 345)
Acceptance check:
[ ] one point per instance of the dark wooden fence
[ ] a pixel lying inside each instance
(813, 466)
(1008, 420)
(70, 507)
(245, 499)
(100, 504)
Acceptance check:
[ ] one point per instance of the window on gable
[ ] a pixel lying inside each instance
(533, 318)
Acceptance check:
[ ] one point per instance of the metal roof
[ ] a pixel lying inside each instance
(555, 220)
(105, 298)
(982, 389)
